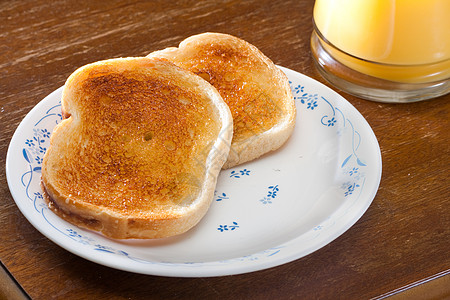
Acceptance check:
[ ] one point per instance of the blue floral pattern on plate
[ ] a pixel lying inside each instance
(240, 173)
(271, 194)
(33, 152)
(351, 164)
(229, 227)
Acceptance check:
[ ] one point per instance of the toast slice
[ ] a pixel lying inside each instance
(139, 150)
(257, 92)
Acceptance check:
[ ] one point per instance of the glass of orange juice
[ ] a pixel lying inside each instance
(384, 50)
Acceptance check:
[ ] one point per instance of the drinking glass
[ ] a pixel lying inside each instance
(384, 50)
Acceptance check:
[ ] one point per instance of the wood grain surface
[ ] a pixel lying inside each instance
(403, 238)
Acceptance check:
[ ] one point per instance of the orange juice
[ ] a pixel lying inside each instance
(398, 40)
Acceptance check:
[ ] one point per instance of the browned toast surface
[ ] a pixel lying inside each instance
(256, 91)
(135, 142)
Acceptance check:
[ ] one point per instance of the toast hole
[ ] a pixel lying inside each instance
(105, 100)
(205, 76)
(65, 114)
(148, 136)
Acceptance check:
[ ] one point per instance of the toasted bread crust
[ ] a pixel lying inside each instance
(139, 150)
(257, 92)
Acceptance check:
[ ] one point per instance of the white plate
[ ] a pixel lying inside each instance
(265, 213)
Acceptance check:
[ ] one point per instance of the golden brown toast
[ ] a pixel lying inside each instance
(257, 92)
(139, 150)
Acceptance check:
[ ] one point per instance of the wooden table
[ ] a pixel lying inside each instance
(401, 242)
